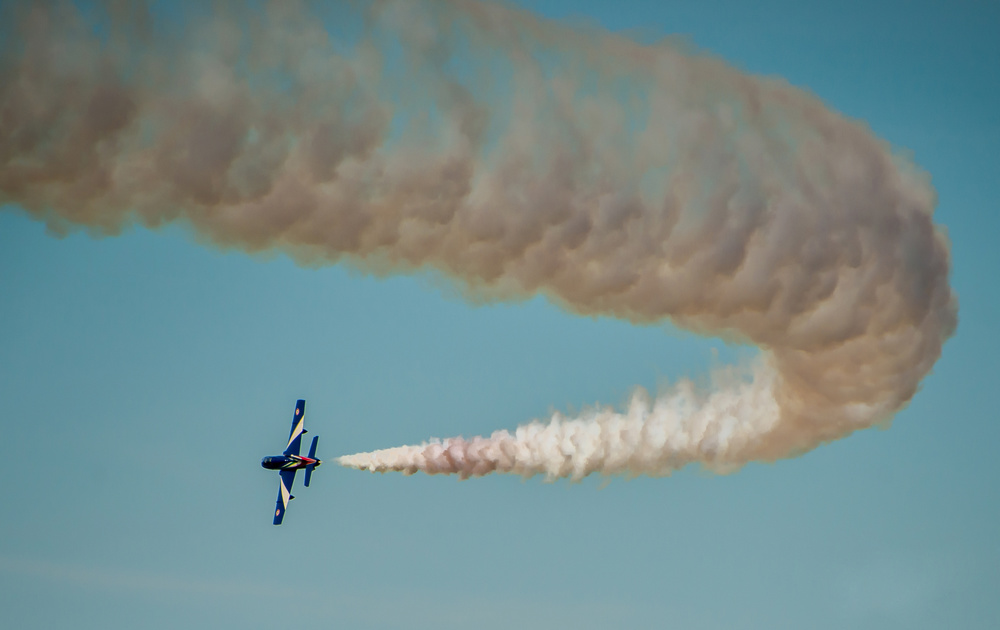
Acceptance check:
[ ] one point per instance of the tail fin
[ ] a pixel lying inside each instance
(312, 455)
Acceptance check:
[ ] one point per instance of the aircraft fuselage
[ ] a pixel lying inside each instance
(288, 462)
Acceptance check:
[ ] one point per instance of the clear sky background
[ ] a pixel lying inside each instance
(142, 377)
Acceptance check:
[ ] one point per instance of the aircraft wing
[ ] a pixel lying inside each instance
(298, 428)
(284, 494)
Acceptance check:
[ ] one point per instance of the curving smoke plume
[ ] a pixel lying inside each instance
(518, 156)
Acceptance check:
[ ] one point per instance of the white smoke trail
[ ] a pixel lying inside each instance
(654, 438)
(519, 157)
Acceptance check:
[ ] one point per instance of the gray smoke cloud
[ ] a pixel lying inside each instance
(517, 156)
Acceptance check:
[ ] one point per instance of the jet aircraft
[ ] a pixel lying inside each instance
(288, 462)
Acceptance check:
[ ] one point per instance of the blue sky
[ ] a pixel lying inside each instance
(143, 376)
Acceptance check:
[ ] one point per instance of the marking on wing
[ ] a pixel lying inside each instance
(284, 493)
(298, 430)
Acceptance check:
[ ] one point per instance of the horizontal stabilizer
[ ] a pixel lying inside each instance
(312, 455)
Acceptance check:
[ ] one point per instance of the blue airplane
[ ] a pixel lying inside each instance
(288, 462)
